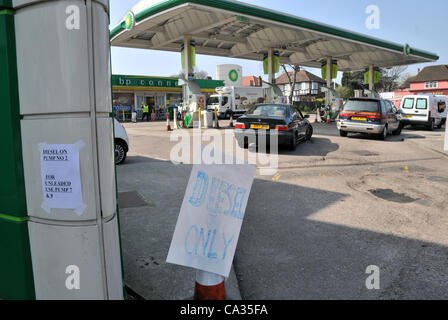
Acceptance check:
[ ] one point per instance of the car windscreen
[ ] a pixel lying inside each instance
(362, 106)
(408, 103)
(213, 100)
(270, 110)
(422, 104)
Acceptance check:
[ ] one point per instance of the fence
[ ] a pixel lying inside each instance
(124, 114)
(308, 106)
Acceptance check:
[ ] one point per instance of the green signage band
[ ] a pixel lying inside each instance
(376, 76)
(276, 63)
(16, 274)
(12, 218)
(159, 82)
(192, 54)
(334, 69)
(7, 11)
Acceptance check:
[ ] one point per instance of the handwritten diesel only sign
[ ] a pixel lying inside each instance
(211, 216)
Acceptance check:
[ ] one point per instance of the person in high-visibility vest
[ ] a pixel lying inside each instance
(145, 112)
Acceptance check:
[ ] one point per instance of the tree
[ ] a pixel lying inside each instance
(345, 92)
(198, 74)
(390, 79)
(291, 79)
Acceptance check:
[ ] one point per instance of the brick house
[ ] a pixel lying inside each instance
(252, 81)
(431, 80)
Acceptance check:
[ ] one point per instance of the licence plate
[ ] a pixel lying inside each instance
(407, 116)
(259, 126)
(359, 119)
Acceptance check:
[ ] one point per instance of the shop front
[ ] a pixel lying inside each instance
(131, 93)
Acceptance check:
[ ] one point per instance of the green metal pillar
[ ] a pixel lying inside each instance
(16, 275)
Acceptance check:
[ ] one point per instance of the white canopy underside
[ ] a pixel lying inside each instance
(221, 30)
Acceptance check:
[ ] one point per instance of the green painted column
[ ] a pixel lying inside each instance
(16, 276)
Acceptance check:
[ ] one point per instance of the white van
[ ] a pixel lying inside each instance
(236, 100)
(424, 109)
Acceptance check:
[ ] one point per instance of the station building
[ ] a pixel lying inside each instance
(130, 93)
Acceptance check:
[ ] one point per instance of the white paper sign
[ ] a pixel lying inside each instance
(211, 216)
(61, 178)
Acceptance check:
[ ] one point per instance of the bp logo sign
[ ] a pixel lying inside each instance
(233, 75)
(129, 21)
(407, 49)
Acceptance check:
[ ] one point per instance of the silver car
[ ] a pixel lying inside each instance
(369, 115)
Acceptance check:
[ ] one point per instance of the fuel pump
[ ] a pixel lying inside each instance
(335, 104)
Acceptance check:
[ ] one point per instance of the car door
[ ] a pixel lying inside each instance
(299, 122)
(394, 121)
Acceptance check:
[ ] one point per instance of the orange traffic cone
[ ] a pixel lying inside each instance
(209, 286)
(168, 125)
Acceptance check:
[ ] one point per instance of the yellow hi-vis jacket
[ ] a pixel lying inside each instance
(145, 109)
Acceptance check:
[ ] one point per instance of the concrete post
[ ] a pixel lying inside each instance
(63, 67)
(271, 66)
(371, 78)
(329, 81)
(188, 69)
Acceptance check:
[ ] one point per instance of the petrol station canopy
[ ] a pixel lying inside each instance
(239, 30)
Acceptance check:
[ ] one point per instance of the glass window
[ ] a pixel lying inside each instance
(173, 99)
(225, 100)
(431, 85)
(422, 104)
(441, 106)
(269, 110)
(408, 103)
(389, 106)
(363, 105)
(213, 100)
(123, 100)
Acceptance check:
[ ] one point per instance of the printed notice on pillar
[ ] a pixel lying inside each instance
(211, 217)
(61, 178)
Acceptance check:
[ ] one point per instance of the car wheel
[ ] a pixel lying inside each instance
(293, 145)
(309, 133)
(431, 125)
(383, 135)
(243, 142)
(120, 152)
(343, 133)
(398, 131)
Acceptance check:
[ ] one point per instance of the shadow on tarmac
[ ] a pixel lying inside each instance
(283, 253)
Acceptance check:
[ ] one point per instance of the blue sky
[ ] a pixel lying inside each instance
(422, 24)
